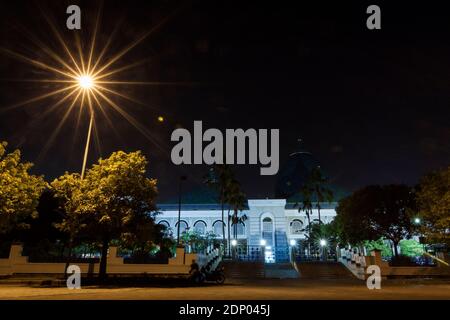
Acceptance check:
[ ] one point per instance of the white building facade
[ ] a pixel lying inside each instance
(270, 222)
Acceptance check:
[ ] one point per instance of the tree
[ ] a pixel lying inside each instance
(236, 199)
(115, 193)
(434, 206)
(318, 183)
(220, 178)
(19, 191)
(142, 235)
(43, 239)
(68, 190)
(377, 212)
(314, 188)
(307, 207)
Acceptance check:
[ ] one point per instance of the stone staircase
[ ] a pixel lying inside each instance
(280, 271)
(244, 270)
(323, 270)
(281, 247)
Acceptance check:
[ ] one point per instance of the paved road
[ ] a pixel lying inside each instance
(258, 289)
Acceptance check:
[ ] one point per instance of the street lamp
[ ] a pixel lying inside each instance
(323, 243)
(417, 220)
(86, 83)
(262, 242)
(234, 242)
(292, 243)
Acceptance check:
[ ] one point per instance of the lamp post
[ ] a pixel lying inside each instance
(88, 140)
(323, 243)
(292, 244)
(263, 243)
(86, 83)
(234, 244)
(182, 178)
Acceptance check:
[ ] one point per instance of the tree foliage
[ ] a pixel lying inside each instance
(115, 201)
(236, 198)
(377, 212)
(68, 192)
(434, 205)
(19, 190)
(220, 178)
(411, 248)
(380, 245)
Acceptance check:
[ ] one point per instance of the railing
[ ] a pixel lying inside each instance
(357, 263)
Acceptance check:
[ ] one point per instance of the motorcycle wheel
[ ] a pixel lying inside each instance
(220, 279)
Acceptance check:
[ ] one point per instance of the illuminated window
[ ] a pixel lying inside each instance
(217, 227)
(200, 227)
(183, 226)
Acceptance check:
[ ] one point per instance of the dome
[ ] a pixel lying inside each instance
(294, 173)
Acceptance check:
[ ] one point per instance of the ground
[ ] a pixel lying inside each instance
(240, 290)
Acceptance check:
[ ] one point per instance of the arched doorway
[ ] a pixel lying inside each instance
(267, 233)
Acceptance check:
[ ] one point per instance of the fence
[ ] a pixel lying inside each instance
(357, 263)
(180, 264)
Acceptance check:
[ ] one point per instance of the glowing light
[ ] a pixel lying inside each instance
(85, 78)
(417, 220)
(262, 242)
(234, 243)
(86, 82)
(292, 242)
(323, 242)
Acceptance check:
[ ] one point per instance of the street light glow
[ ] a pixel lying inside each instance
(234, 242)
(292, 242)
(417, 220)
(262, 242)
(323, 242)
(86, 77)
(86, 82)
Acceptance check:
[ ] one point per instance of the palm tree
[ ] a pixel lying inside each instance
(318, 183)
(219, 178)
(306, 194)
(236, 200)
(316, 188)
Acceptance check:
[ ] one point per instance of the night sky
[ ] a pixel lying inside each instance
(371, 106)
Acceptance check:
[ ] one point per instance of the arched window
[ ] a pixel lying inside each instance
(183, 227)
(217, 228)
(200, 227)
(296, 226)
(165, 223)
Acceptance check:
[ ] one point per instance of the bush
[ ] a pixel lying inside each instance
(381, 245)
(411, 248)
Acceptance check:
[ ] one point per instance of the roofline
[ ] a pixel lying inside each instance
(218, 206)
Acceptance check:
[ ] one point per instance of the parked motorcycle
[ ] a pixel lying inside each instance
(218, 276)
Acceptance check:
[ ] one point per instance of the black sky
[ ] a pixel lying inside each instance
(372, 106)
